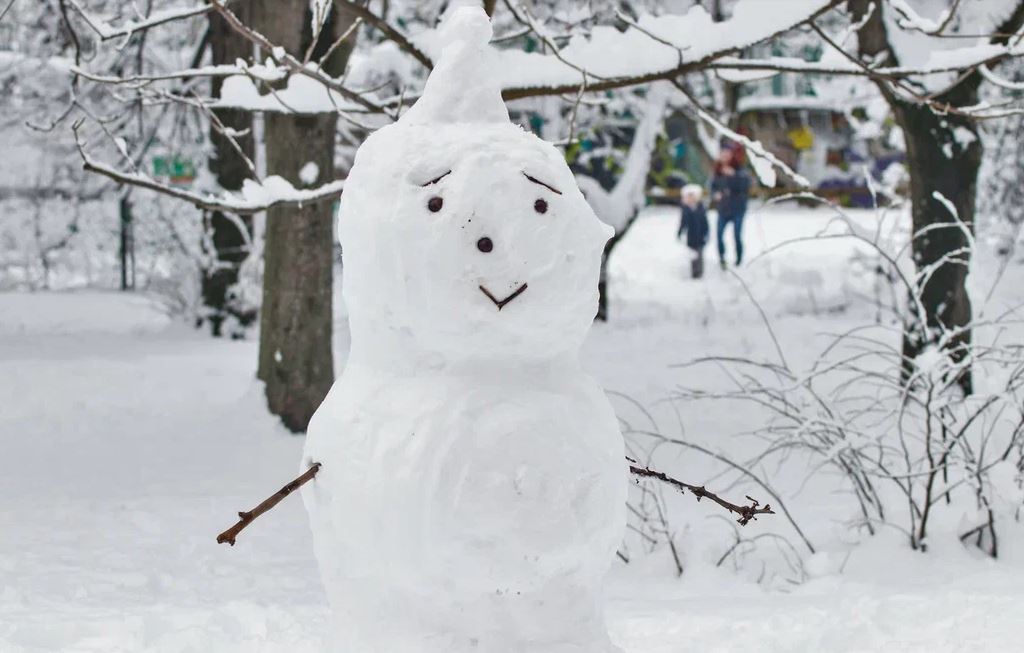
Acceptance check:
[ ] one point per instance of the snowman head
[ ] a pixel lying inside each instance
(464, 237)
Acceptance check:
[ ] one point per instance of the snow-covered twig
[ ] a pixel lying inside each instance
(177, 75)
(858, 410)
(909, 19)
(291, 62)
(217, 124)
(275, 191)
(106, 31)
(895, 84)
(757, 151)
(528, 20)
(559, 82)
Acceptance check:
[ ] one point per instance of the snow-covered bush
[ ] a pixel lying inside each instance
(1001, 200)
(915, 452)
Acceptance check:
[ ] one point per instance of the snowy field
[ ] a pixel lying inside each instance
(129, 440)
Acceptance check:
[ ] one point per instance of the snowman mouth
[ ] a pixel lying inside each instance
(500, 303)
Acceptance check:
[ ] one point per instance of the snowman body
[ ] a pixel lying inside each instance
(480, 520)
(473, 485)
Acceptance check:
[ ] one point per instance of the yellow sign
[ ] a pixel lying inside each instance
(802, 138)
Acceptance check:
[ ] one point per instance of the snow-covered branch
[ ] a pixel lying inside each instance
(106, 31)
(255, 196)
(264, 73)
(298, 67)
(620, 206)
(763, 161)
(659, 48)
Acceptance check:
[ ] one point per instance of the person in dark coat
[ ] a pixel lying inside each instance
(730, 188)
(694, 222)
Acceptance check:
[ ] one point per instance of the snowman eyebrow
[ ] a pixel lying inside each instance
(541, 183)
(436, 179)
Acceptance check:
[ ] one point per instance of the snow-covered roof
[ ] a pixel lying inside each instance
(772, 102)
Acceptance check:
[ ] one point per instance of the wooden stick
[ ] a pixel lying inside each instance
(246, 518)
(746, 513)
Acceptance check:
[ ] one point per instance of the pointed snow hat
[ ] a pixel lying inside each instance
(463, 86)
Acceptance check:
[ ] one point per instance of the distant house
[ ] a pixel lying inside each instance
(833, 132)
(819, 142)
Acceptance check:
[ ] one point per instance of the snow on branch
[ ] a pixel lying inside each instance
(296, 66)
(653, 48)
(947, 62)
(909, 18)
(222, 70)
(106, 31)
(255, 196)
(763, 161)
(650, 48)
(620, 206)
(996, 80)
(937, 62)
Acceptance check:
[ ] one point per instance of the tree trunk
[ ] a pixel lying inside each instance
(943, 156)
(602, 283)
(126, 248)
(295, 318)
(296, 359)
(228, 243)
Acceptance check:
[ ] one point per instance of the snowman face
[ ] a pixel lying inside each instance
(468, 246)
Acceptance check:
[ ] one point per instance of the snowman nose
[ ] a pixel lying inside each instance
(485, 245)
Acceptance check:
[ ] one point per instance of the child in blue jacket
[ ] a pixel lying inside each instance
(694, 221)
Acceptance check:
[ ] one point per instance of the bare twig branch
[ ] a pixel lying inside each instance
(337, 42)
(390, 32)
(246, 518)
(6, 9)
(745, 513)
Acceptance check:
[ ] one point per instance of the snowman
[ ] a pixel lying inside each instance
(473, 486)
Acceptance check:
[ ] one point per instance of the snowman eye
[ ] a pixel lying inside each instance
(435, 204)
(540, 206)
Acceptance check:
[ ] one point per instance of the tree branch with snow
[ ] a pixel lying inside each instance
(256, 196)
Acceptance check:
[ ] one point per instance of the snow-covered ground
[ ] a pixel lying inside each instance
(128, 441)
